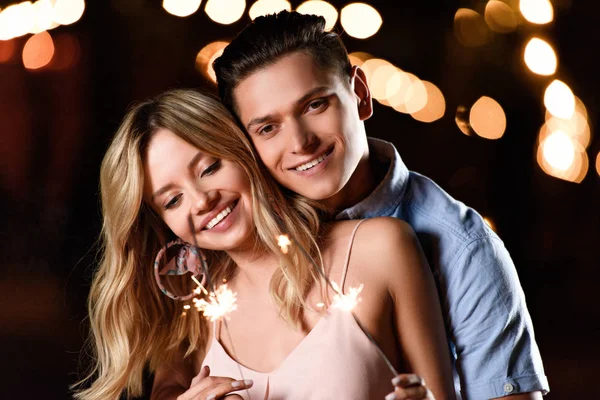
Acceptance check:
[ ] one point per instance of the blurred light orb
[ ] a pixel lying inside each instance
(16, 20)
(434, 108)
(561, 158)
(576, 127)
(558, 150)
(559, 100)
(225, 11)
(206, 57)
(470, 28)
(370, 66)
(396, 87)
(38, 51)
(181, 8)
(537, 11)
(379, 80)
(67, 12)
(266, 7)
(322, 8)
(43, 16)
(360, 20)
(598, 163)
(358, 58)
(500, 17)
(487, 118)
(539, 57)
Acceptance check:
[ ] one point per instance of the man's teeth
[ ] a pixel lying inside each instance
(218, 218)
(311, 164)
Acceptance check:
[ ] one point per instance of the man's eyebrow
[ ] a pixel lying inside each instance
(260, 120)
(169, 186)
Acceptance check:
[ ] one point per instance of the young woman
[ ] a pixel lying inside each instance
(179, 167)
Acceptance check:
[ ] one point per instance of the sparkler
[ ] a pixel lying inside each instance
(220, 303)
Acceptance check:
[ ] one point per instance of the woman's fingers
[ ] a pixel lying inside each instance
(213, 387)
(204, 372)
(409, 387)
(225, 388)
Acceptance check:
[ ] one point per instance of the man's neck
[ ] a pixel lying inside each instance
(368, 174)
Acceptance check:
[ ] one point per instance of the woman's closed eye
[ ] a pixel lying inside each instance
(174, 202)
(211, 169)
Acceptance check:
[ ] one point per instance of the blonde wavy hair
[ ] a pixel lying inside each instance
(134, 325)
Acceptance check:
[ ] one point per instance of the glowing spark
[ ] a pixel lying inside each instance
(284, 242)
(200, 288)
(346, 301)
(187, 307)
(219, 304)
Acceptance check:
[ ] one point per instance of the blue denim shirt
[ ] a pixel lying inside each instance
(488, 326)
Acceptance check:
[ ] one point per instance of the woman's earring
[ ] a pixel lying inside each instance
(189, 259)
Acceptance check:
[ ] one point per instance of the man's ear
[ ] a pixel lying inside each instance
(358, 83)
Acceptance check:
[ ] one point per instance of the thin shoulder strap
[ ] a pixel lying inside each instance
(348, 253)
(217, 330)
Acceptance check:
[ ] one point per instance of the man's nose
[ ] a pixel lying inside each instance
(303, 140)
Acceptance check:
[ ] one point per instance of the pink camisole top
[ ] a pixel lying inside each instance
(335, 360)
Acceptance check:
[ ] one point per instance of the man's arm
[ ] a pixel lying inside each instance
(522, 396)
(496, 352)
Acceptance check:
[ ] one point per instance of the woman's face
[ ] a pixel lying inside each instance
(204, 200)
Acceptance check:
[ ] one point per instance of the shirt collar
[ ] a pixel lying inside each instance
(388, 194)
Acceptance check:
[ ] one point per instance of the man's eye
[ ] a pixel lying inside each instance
(265, 130)
(211, 169)
(315, 105)
(173, 202)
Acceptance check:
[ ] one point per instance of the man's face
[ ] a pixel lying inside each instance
(306, 123)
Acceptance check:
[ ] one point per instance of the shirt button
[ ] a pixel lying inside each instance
(508, 388)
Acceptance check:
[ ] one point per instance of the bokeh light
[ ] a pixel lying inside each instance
(500, 17)
(43, 16)
(225, 11)
(576, 128)
(181, 8)
(16, 20)
(207, 56)
(265, 7)
(559, 100)
(405, 98)
(537, 11)
(540, 58)
(487, 118)
(370, 66)
(322, 8)
(359, 57)
(434, 108)
(360, 20)
(560, 157)
(379, 80)
(470, 28)
(7, 50)
(67, 12)
(38, 51)
(598, 163)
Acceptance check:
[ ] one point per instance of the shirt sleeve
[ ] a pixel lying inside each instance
(496, 352)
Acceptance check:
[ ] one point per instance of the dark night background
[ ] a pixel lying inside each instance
(55, 124)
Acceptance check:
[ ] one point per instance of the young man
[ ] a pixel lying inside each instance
(291, 86)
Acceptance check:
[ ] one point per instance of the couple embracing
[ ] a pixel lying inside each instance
(285, 151)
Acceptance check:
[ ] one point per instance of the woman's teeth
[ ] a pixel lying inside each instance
(311, 164)
(218, 218)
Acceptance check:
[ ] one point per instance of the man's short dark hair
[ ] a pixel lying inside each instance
(269, 38)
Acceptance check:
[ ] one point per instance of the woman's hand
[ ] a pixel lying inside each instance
(205, 387)
(409, 387)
